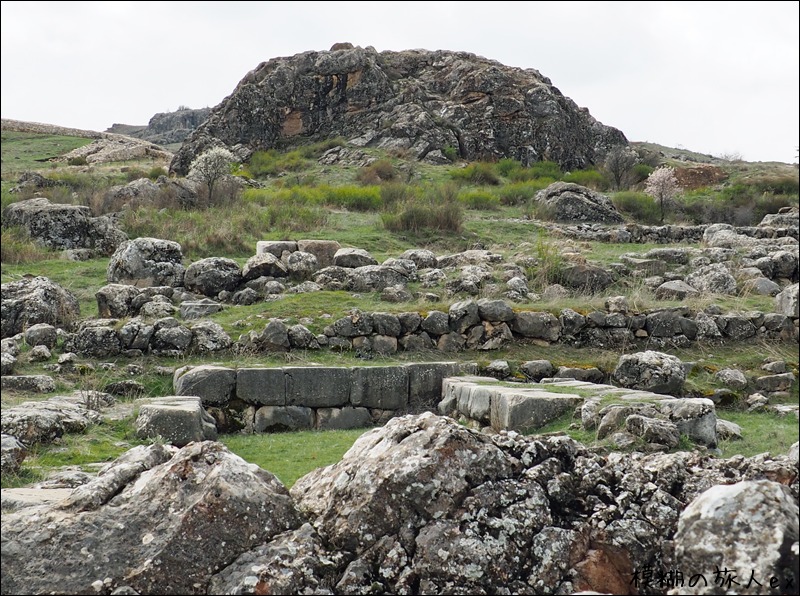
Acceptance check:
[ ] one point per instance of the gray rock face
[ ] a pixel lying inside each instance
(574, 203)
(675, 290)
(114, 301)
(12, 455)
(214, 385)
(41, 334)
(44, 421)
(36, 300)
(264, 264)
(650, 371)
(165, 128)
(207, 337)
(146, 262)
(353, 257)
(177, 420)
(64, 227)
(786, 302)
(212, 275)
(586, 278)
(419, 100)
(759, 523)
(713, 279)
(157, 520)
(28, 383)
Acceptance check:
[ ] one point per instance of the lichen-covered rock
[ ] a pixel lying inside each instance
(786, 302)
(146, 262)
(571, 203)
(114, 301)
(423, 101)
(12, 456)
(713, 279)
(44, 421)
(212, 275)
(64, 227)
(157, 520)
(651, 371)
(747, 527)
(34, 300)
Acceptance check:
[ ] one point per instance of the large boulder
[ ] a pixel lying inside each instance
(571, 203)
(34, 422)
(156, 521)
(64, 227)
(146, 262)
(418, 100)
(177, 420)
(650, 371)
(713, 279)
(212, 275)
(750, 529)
(33, 300)
(786, 302)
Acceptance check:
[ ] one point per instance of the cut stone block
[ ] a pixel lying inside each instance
(382, 387)
(177, 420)
(343, 418)
(214, 385)
(321, 387)
(261, 386)
(269, 419)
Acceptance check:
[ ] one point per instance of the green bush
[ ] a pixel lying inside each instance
(519, 193)
(315, 150)
(506, 166)
(589, 178)
(77, 161)
(156, 172)
(271, 163)
(417, 215)
(355, 198)
(640, 172)
(396, 192)
(17, 247)
(638, 206)
(450, 153)
(480, 200)
(480, 172)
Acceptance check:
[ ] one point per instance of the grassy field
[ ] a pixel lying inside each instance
(293, 198)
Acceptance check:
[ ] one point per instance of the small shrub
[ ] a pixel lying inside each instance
(505, 167)
(451, 153)
(640, 172)
(77, 161)
(17, 247)
(545, 169)
(395, 192)
(638, 206)
(419, 214)
(520, 193)
(480, 200)
(480, 173)
(549, 266)
(377, 172)
(588, 178)
(315, 150)
(356, 198)
(156, 172)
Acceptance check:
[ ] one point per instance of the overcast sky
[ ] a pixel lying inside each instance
(714, 77)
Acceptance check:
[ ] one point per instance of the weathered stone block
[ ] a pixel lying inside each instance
(317, 387)
(270, 419)
(382, 387)
(264, 386)
(177, 420)
(214, 385)
(343, 418)
(525, 410)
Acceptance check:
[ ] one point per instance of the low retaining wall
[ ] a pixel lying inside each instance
(319, 397)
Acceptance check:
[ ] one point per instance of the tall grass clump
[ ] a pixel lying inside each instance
(480, 200)
(354, 198)
(17, 247)
(638, 206)
(377, 172)
(520, 193)
(438, 210)
(479, 172)
(589, 178)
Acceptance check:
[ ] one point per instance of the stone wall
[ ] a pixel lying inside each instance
(311, 397)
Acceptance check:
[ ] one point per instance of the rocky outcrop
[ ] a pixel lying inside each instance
(165, 128)
(568, 202)
(423, 101)
(33, 300)
(64, 227)
(422, 505)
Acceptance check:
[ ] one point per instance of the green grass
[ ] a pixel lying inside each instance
(30, 151)
(292, 455)
(762, 432)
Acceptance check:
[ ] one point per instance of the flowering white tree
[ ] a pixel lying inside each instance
(212, 166)
(662, 185)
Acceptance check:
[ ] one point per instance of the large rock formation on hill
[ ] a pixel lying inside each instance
(418, 100)
(166, 128)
